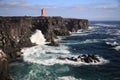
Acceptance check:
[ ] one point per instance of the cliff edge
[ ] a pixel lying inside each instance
(15, 33)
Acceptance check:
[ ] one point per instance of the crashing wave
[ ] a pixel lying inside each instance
(117, 48)
(112, 43)
(38, 55)
(105, 25)
(38, 38)
(67, 78)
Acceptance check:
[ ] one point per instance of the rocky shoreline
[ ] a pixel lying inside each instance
(15, 33)
(86, 58)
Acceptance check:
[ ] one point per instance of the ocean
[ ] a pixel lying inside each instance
(102, 39)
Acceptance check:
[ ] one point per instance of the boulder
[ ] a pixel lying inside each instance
(72, 59)
(90, 58)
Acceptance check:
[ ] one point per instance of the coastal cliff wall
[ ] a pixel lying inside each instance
(15, 33)
(58, 26)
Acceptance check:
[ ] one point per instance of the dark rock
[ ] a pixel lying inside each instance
(15, 33)
(4, 70)
(95, 58)
(61, 58)
(90, 58)
(72, 59)
(53, 43)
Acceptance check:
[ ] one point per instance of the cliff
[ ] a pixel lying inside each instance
(15, 33)
(58, 26)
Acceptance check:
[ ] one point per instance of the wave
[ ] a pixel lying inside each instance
(112, 43)
(105, 25)
(38, 38)
(84, 42)
(43, 52)
(38, 55)
(67, 78)
(117, 48)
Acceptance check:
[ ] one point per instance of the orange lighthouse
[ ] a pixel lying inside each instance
(42, 12)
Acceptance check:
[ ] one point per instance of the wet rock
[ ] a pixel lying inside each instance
(90, 58)
(4, 69)
(72, 59)
(61, 58)
(53, 43)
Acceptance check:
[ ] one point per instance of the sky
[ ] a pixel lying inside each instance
(84, 9)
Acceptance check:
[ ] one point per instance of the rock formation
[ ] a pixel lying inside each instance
(15, 33)
(4, 70)
(90, 58)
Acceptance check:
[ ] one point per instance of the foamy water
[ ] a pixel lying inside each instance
(48, 55)
(38, 38)
(44, 62)
(117, 48)
(67, 78)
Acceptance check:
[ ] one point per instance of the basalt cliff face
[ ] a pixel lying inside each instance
(15, 33)
(58, 26)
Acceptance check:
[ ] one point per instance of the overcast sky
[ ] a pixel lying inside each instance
(88, 9)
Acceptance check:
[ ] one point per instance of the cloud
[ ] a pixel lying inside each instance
(23, 4)
(89, 11)
(107, 6)
(15, 4)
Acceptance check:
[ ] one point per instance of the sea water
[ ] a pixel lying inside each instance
(41, 62)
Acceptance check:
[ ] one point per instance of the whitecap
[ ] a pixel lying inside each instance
(86, 41)
(112, 43)
(67, 78)
(38, 55)
(105, 25)
(38, 38)
(117, 48)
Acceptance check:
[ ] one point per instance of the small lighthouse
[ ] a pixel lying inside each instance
(42, 12)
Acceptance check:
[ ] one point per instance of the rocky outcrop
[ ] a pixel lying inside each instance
(52, 27)
(15, 33)
(74, 24)
(4, 70)
(86, 58)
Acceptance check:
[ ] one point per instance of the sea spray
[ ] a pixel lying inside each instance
(67, 78)
(117, 48)
(43, 54)
(39, 55)
(37, 38)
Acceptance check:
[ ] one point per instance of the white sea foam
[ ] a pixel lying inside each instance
(47, 55)
(92, 27)
(90, 41)
(112, 43)
(67, 78)
(38, 55)
(37, 38)
(86, 41)
(117, 48)
(105, 25)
